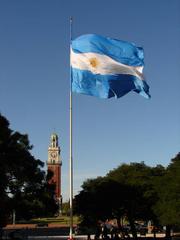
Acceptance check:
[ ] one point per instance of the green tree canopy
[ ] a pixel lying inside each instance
(168, 206)
(141, 179)
(127, 191)
(24, 185)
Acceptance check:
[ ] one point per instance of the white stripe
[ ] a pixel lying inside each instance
(102, 64)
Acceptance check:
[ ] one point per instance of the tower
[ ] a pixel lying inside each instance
(54, 165)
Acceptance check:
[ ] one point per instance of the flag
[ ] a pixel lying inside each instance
(105, 67)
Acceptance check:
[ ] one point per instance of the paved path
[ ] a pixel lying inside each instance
(56, 237)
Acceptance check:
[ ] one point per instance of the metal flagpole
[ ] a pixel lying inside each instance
(71, 158)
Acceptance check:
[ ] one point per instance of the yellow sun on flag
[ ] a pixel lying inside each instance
(94, 62)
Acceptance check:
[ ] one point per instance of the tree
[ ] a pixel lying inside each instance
(168, 189)
(103, 198)
(141, 194)
(66, 208)
(24, 186)
(97, 201)
(127, 191)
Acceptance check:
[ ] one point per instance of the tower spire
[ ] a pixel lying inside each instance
(54, 165)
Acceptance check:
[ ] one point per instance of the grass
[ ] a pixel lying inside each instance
(64, 220)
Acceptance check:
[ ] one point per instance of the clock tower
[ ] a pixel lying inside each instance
(54, 165)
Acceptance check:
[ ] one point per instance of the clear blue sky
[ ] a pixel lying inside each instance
(34, 82)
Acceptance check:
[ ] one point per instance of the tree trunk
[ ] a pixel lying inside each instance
(168, 232)
(133, 229)
(154, 232)
(120, 228)
(119, 224)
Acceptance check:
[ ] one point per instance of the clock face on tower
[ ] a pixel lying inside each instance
(53, 155)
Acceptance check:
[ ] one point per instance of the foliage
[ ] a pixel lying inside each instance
(142, 194)
(127, 191)
(168, 206)
(23, 186)
(97, 200)
(66, 208)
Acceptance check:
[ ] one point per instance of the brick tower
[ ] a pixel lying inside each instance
(54, 165)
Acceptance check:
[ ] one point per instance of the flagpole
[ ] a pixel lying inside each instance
(70, 157)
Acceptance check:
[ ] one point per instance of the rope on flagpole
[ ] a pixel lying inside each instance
(71, 157)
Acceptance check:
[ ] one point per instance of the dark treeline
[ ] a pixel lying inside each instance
(135, 192)
(131, 191)
(24, 187)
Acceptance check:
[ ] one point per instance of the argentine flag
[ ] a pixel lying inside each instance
(105, 67)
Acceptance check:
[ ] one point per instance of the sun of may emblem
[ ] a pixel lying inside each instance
(93, 62)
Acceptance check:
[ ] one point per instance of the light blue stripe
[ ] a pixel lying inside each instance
(121, 51)
(107, 86)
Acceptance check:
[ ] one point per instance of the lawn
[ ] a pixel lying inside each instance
(63, 220)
